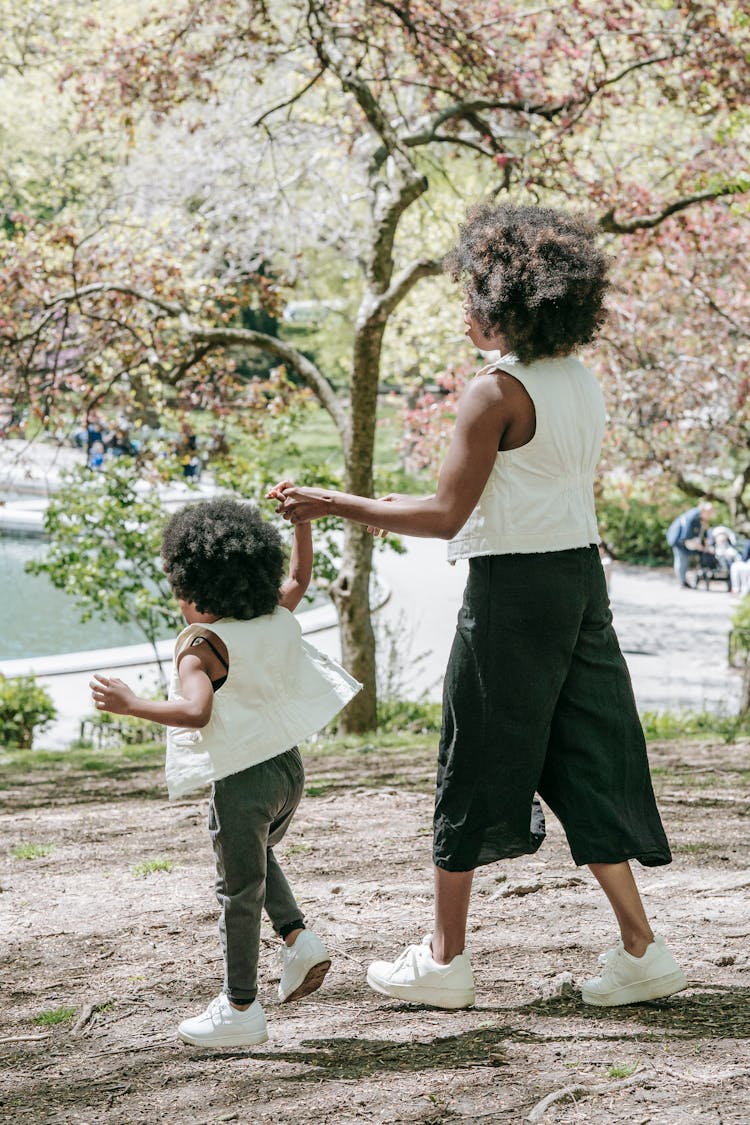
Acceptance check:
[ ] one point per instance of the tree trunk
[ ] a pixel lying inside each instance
(351, 596)
(351, 590)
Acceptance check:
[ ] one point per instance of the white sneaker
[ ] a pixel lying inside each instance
(303, 967)
(221, 1025)
(417, 978)
(626, 979)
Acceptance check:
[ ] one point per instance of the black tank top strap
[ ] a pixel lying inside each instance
(215, 684)
(204, 640)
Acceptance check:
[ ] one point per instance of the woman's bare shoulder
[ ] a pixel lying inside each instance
(492, 387)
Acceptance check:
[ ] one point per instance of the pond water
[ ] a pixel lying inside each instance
(39, 620)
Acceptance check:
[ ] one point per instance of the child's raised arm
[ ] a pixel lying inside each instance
(193, 710)
(300, 568)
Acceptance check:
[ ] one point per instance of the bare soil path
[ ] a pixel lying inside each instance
(131, 954)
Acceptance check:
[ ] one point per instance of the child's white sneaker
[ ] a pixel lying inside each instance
(416, 977)
(303, 967)
(221, 1025)
(625, 979)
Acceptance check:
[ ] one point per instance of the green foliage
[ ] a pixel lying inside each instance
(739, 637)
(103, 730)
(104, 531)
(623, 1071)
(116, 761)
(668, 725)
(31, 851)
(741, 615)
(634, 529)
(25, 707)
(149, 866)
(415, 716)
(54, 1015)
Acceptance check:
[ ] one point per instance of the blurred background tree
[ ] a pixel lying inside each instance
(309, 163)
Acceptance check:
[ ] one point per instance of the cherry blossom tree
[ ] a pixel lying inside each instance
(340, 140)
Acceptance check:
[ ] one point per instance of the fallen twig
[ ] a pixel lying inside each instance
(86, 1015)
(25, 1038)
(570, 1093)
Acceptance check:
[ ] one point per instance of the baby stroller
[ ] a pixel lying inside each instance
(718, 552)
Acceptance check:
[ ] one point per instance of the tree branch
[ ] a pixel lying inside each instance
(571, 1093)
(404, 283)
(331, 58)
(260, 341)
(404, 187)
(467, 107)
(294, 98)
(610, 224)
(168, 307)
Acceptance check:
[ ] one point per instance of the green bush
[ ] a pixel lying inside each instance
(664, 726)
(415, 716)
(105, 731)
(25, 707)
(634, 530)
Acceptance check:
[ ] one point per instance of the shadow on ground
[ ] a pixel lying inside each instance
(722, 1013)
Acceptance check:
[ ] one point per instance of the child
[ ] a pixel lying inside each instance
(245, 689)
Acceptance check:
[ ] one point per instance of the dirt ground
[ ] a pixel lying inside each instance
(131, 954)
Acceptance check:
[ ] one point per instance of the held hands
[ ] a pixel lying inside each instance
(111, 694)
(300, 505)
(379, 532)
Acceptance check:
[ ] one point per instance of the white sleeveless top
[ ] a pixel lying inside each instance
(279, 690)
(541, 497)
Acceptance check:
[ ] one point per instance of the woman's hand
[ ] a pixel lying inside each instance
(111, 694)
(277, 491)
(299, 505)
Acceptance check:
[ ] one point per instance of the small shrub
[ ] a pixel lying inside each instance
(416, 716)
(666, 725)
(31, 851)
(25, 707)
(622, 1071)
(634, 530)
(105, 731)
(148, 866)
(54, 1015)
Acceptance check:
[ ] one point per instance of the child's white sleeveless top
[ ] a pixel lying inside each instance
(279, 690)
(541, 497)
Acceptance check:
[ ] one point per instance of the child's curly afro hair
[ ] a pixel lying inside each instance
(223, 556)
(532, 274)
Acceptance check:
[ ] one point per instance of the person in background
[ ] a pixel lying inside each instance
(685, 535)
(120, 444)
(96, 455)
(723, 542)
(740, 572)
(187, 452)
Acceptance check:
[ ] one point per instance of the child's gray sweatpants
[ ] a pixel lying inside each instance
(249, 812)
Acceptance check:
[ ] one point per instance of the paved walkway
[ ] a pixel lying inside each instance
(674, 640)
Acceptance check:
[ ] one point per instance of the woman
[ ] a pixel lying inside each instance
(537, 696)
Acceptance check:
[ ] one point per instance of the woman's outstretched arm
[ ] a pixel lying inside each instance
(481, 420)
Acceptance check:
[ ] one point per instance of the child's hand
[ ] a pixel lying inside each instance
(378, 532)
(111, 694)
(277, 492)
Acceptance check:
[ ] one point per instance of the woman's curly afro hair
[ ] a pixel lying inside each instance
(223, 556)
(532, 274)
